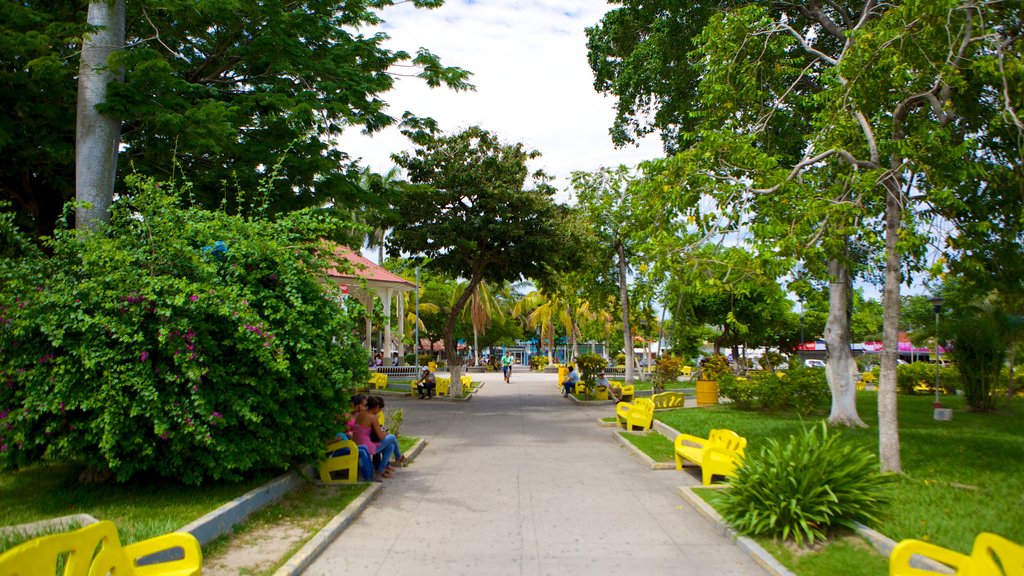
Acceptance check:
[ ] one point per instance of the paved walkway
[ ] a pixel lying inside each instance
(520, 481)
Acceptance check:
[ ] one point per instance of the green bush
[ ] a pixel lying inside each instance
(714, 367)
(979, 347)
(910, 375)
(590, 365)
(666, 371)
(620, 359)
(801, 390)
(176, 341)
(804, 488)
(538, 362)
(410, 359)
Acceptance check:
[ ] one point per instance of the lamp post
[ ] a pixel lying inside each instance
(801, 299)
(936, 302)
(416, 327)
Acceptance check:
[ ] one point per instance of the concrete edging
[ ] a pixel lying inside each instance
(747, 545)
(220, 521)
(322, 539)
(61, 524)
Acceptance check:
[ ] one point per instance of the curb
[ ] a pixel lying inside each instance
(640, 455)
(62, 524)
(219, 522)
(751, 548)
(322, 539)
(330, 532)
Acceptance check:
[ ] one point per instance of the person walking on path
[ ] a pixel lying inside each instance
(506, 365)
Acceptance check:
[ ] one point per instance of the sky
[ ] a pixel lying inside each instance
(533, 83)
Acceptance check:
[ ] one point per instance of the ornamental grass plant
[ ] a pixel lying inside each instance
(803, 488)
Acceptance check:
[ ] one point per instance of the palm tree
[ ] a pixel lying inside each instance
(542, 310)
(383, 189)
(483, 308)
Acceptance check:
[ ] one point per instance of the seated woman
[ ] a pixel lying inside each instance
(365, 462)
(367, 427)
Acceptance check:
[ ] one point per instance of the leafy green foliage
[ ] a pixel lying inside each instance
(917, 373)
(538, 362)
(214, 91)
(803, 488)
(474, 215)
(666, 370)
(178, 342)
(590, 365)
(800, 390)
(714, 367)
(979, 347)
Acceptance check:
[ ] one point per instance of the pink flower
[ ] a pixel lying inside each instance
(144, 356)
(194, 297)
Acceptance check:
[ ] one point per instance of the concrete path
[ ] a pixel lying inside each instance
(520, 481)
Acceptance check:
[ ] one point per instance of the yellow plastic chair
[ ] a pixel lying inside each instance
(687, 371)
(342, 468)
(95, 550)
(992, 555)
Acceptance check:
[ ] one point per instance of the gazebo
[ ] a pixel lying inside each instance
(364, 281)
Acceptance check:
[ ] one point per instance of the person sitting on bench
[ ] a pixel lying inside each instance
(427, 384)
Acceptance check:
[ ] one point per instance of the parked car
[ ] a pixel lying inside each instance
(812, 363)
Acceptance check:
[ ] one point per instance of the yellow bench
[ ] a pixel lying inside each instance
(444, 386)
(639, 413)
(467, 381)
(379, 381)
(96, 550)
(721, 453)
(668, 400)
(992, 555)
(341, 468)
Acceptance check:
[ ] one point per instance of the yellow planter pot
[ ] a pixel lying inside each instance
(707, 392)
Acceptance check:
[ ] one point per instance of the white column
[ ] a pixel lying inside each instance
(368, 302)
(401, 327)
(387, 327)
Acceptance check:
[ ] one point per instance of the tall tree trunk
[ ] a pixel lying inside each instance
(840, 367)
(450, 346)
(888, 421)
(627, 333)
(476, 349)
(97, 136)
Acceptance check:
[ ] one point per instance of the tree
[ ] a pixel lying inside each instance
(97, 135)
(871, 98)
(474, 217)
(231, 95)
(603, 197)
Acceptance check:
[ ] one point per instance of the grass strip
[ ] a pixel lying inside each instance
(141, 508)
(659, 448)
(846, 553)
(959, 478)
(311, 507)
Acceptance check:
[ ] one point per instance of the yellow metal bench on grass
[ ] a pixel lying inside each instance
(95, 550)
(638, 414)
(721, 453)
(343, 467)
(992, 555)
(668, 400)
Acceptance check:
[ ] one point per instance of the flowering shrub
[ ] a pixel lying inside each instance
(180, 342)
(801, 390)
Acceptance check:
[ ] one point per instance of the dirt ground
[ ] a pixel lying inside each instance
(259, 551)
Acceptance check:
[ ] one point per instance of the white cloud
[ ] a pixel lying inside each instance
(529, 64)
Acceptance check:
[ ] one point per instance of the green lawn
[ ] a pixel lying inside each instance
(960, 478)
(141, 509)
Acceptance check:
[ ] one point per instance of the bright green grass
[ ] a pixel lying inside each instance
(141, 509)
(846, 554)
(960, 478)
(655, 445)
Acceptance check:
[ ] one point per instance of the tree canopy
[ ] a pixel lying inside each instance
(225, 95)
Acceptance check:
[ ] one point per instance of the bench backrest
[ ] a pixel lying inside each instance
(993, 554)
(643, 405)
(669, 400)
(727, 440)
(443, 386)
(43, 555)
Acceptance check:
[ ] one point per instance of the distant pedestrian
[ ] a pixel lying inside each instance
(506, 365)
